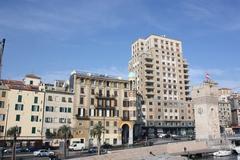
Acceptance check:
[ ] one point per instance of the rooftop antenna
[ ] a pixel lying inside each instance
(2, 44)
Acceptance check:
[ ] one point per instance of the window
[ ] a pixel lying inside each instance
(107, 131)
(50, 98)
(35, 108)
(19, 130)
(114, 140)
(125, 94)
(33, 130)
(17, 117)
(19, 107)
(31, 82)
(63, 99)
(125, 103)
(62, 120)
(108, 93)
(82, 90)
(107, 123)
(115, 123)
(81, 100)
(62, 109)
(125, 85)
(70, 100)
(35, 99)
(3, 93)
(92, 92)
(48, 120)
(1, 104)
(92, 101)
(100, 92)
(2, 117)
(91, 123)
(19, 98)
(49, 109)
(34, 118)
(69, 110)
(115, 93)
(1, 129)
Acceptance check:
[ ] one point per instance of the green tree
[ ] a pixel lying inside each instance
(48, 134)
(13, 132)
(96, 132)
(64, 132)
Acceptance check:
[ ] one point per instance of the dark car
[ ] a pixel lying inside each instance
(106, 146)
(95, 150)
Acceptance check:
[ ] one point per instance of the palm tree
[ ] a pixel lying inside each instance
(96, 132)
(13, 132)
(65, 133)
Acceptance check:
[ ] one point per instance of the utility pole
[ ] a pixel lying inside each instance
(2, 44)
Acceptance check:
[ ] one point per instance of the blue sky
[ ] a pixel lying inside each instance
(51, 38)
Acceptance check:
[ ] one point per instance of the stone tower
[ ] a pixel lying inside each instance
(205, 100)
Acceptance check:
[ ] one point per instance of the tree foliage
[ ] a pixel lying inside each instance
(96, 132)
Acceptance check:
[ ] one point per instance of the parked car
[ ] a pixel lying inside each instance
(106, 146)
(161, 135)
(76, 147)
(95, 150)
(32, 149)
(18, 150)
(43, 153)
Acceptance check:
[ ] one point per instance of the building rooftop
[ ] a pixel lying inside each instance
(97, 76)
(19, 85)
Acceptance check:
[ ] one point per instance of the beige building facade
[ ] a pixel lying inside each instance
(162, 79)
(25, 110)
(58, 111)
(3, 111)
(107, 100)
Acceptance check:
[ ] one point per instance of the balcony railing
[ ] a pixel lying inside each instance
(125, 118)
(82, 117)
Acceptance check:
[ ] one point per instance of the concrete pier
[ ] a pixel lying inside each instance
(144, 153)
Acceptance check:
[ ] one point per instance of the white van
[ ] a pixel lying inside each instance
(76, 146)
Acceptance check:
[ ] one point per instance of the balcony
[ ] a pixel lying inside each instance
(150, 80)
(108, 96)
(185, 65)
(186, 81)
(125, 118)
(82, 117)
(187, 87)
(149, 74)
(149, 86)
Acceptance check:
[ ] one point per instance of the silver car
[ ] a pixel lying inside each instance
(43, 153)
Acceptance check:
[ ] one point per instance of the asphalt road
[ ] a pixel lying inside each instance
(75, 154)
(29, 156)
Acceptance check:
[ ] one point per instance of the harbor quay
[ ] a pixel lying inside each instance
(170, 151)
